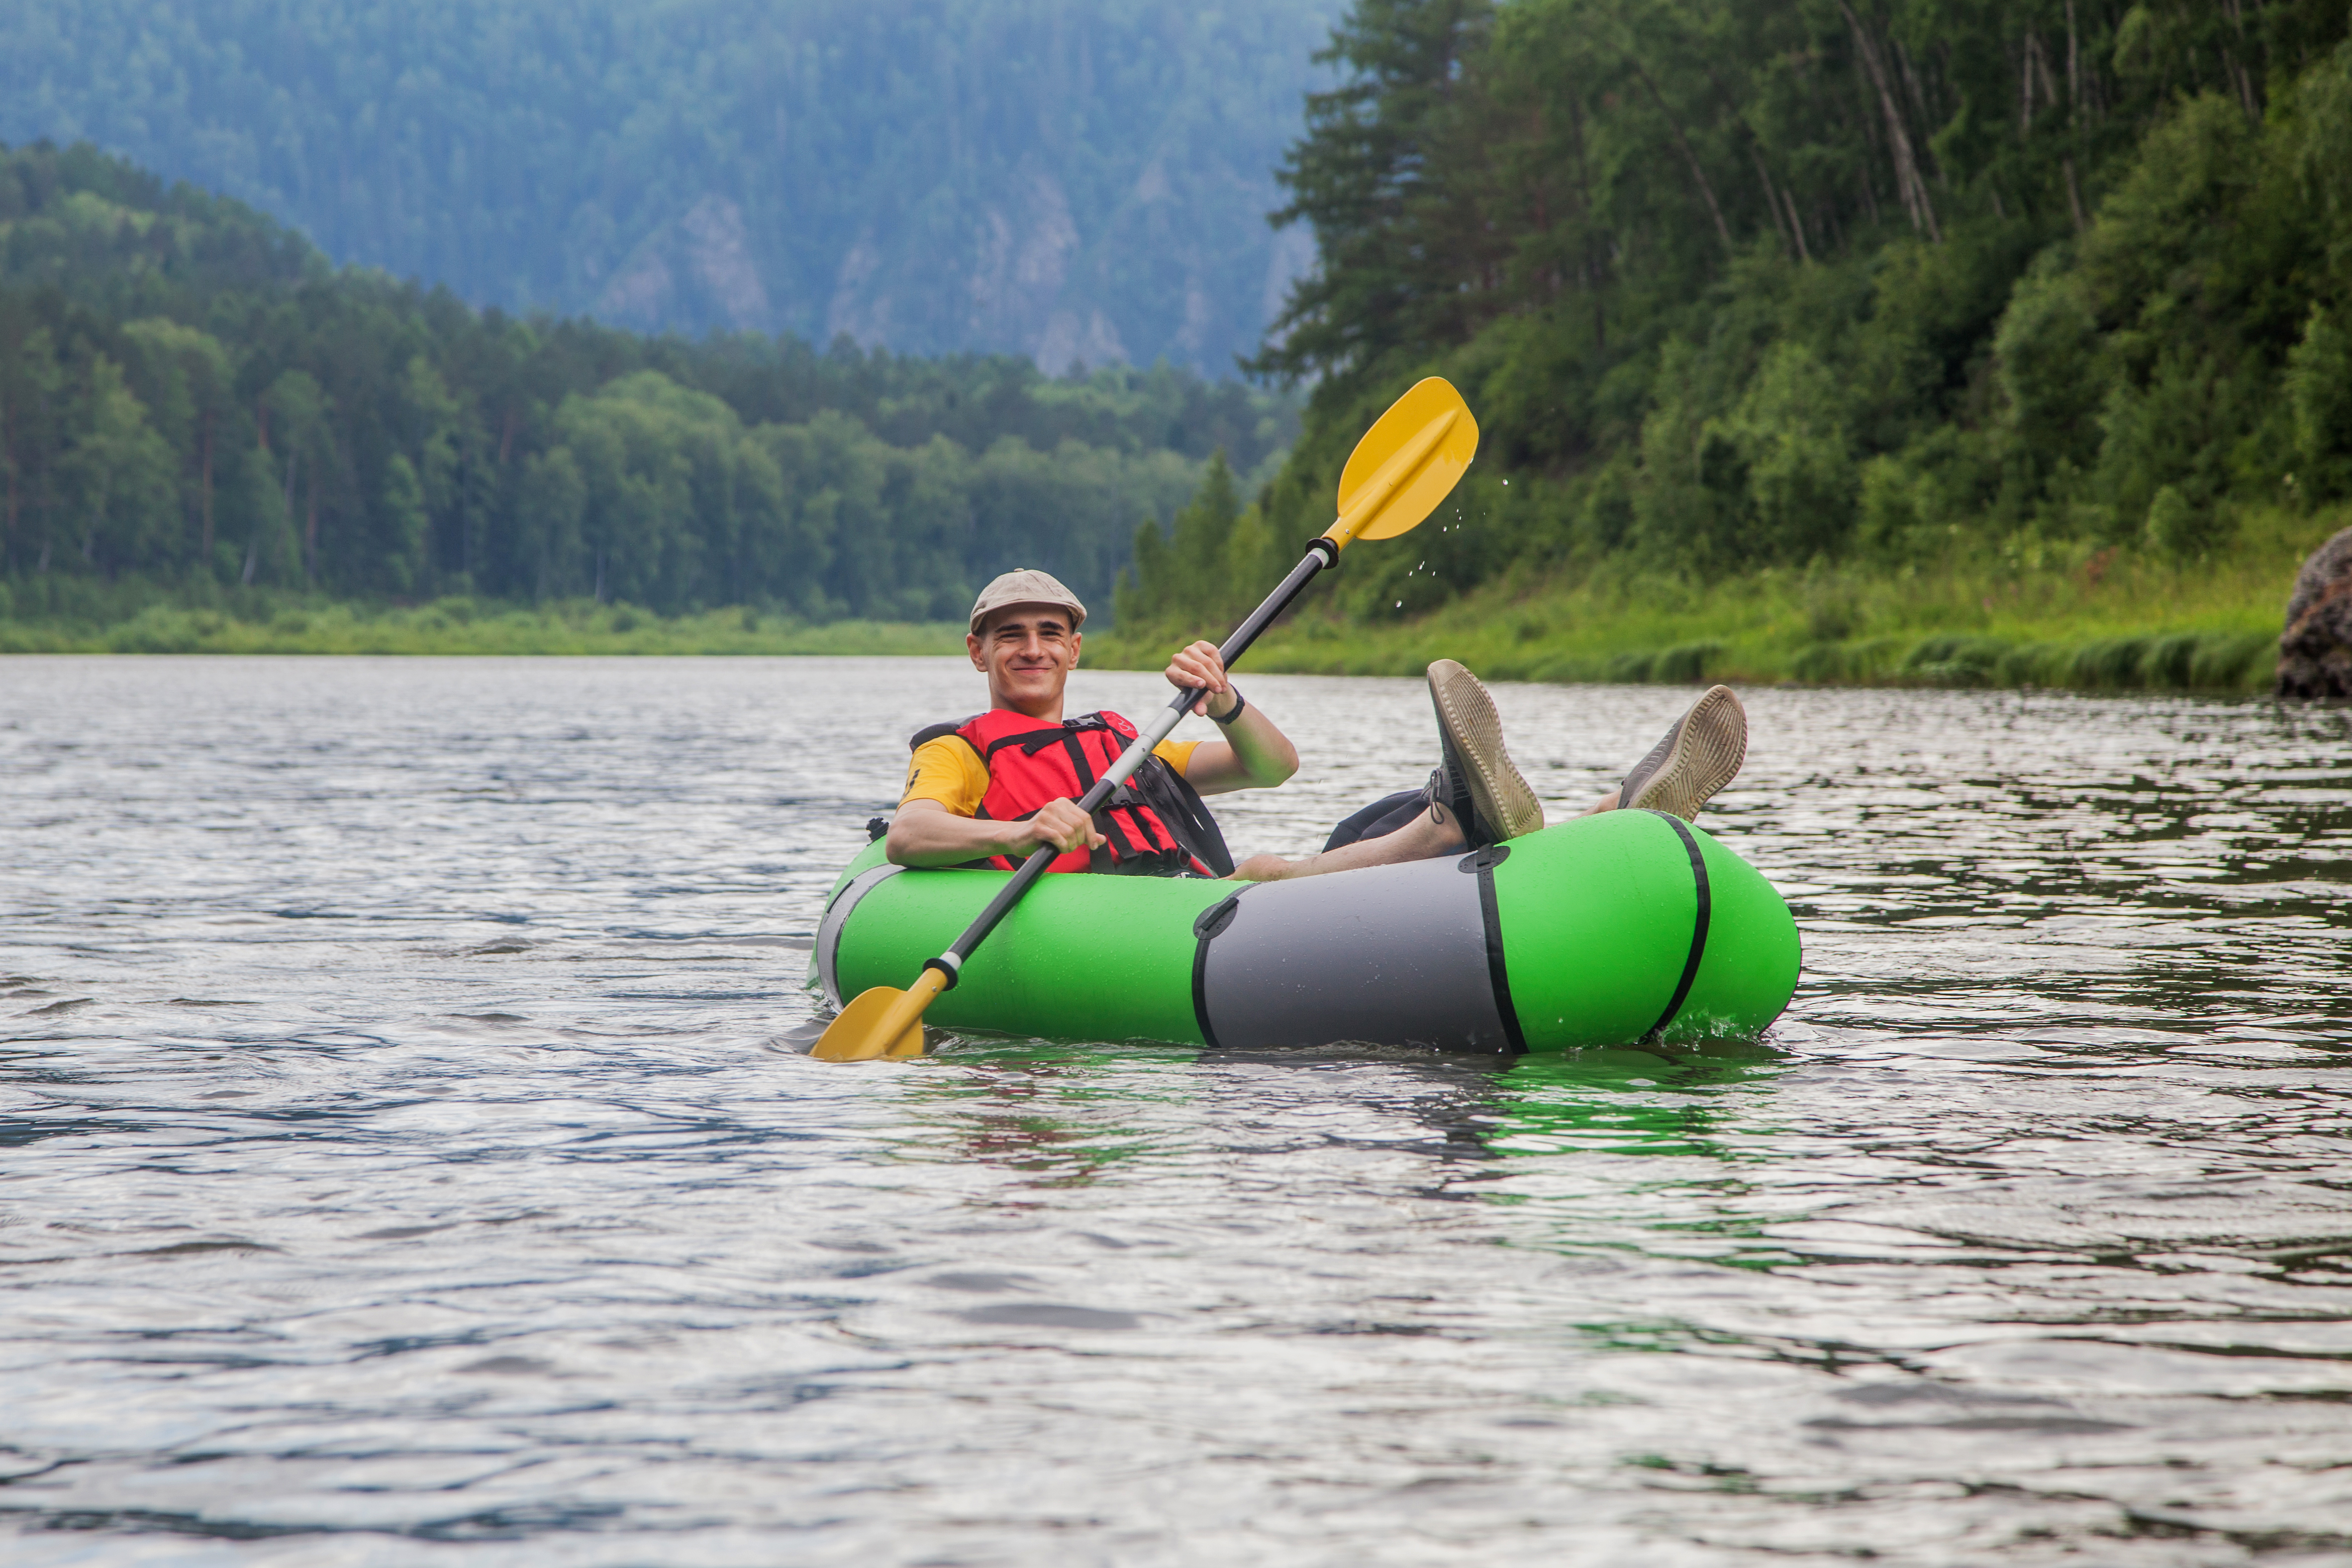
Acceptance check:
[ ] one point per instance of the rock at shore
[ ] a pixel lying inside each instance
(2316, 649)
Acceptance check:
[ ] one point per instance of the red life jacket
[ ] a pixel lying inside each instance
(1153, 825)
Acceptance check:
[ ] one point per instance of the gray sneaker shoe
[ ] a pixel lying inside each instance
(1697, 757)
(1476, 780)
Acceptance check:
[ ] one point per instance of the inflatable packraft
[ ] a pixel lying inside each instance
(1605, 930)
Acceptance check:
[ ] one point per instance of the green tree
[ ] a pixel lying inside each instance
(186, 377)
(2319, 390)
(296, 429)
(432, 435)
(407, 522)
(115, 476)
(554, 501)
(32, 426)
(1371, 176)
(1189, 581)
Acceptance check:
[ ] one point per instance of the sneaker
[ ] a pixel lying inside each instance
(1697, 757)
(1476, 780)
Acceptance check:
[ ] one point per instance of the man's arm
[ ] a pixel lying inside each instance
(926, 833)
(1253, 755)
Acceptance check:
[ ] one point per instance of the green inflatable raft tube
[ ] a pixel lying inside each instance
(1606, 930)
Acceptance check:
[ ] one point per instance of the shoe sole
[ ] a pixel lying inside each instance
(1710, 744)
(1501, 796)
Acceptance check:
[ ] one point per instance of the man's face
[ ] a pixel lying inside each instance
(1027, 652)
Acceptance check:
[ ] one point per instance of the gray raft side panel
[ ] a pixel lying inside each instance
(1389, 955)
(836, 918)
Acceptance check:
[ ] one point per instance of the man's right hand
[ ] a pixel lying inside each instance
(926, 833)
(1061, 824)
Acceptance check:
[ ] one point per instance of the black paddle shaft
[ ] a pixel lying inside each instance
(1320, 554)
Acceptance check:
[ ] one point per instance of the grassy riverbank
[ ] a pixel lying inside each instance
(281, 623)
(2038, 615)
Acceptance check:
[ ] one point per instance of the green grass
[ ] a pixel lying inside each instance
(2038, 615)
(249, 623)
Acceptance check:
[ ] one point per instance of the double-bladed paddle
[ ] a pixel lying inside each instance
(1407, 462)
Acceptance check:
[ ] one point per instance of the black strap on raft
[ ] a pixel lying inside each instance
(1207, 928)
(1490, 917)
(1698, 925)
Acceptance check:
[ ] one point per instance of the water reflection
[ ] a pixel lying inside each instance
(395, 1152)
(1625, 1101)
(1024, 1108)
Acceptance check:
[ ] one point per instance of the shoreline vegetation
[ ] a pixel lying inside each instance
(271, 622)
(2076, 617)
(2080, 618)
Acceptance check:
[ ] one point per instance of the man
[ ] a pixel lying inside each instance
(989, 790)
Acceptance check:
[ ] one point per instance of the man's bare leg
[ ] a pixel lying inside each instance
(1697, 757)
(1475, 796)
(1431, 834)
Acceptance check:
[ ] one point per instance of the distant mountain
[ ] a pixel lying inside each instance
(1072, 180)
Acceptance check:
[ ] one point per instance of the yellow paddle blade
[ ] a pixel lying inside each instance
(1407, 462)
(883, 1022)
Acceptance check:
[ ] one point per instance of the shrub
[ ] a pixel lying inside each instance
(2182, 532)
(1956, 660)
(2168, 661)
(2030, 664)
(1685, 663)
(1631, 667)
(2110, 662)
(2232, 661)
(1821, 662)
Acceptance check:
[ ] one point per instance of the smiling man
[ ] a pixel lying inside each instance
(988, 790)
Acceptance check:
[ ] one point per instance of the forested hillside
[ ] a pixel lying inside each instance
(1064, 179)
(191, 396)
(1910, 287)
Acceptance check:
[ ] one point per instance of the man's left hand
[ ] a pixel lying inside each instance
(1199, 668)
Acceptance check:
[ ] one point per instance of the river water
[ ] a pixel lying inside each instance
(399, 1163)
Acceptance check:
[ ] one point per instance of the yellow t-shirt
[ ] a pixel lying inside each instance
(948, 770)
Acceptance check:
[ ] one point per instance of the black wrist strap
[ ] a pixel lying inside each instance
(1239, 703)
